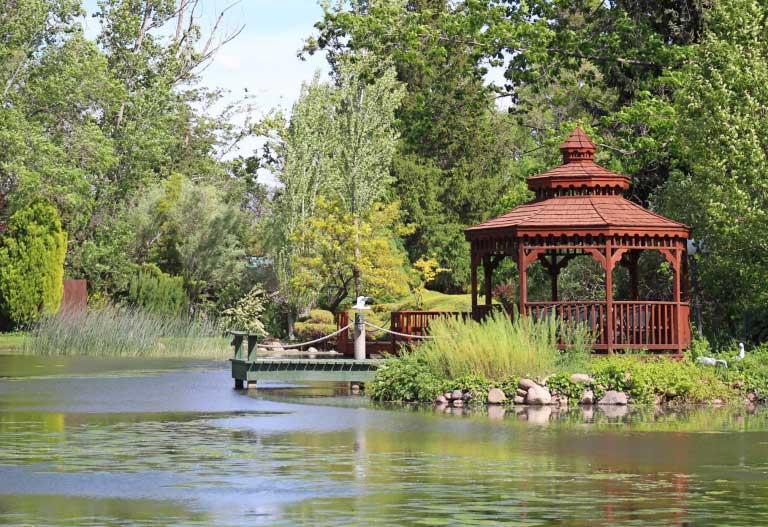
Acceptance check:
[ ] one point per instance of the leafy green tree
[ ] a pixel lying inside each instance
(32, 252)
(720, 128)
(188, 230)
(338, 252)
(452, 162)
(299, 155)
(364, 141)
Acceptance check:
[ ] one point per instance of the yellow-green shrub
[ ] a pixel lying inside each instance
(32, 252)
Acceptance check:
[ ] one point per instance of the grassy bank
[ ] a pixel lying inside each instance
(474, 357)
(125, 332)
(12, 342)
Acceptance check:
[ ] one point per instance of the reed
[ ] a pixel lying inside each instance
(124, 331)
(500, 348)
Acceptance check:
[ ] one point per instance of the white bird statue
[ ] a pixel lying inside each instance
(360, 304)
(711, 361)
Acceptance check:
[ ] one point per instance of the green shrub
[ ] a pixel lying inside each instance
(406, 378)
(561, 384)
(318, 324)
(751, 374)
(475, 384)
(499, 348)
(669, 379)
(246, 314)
(157, 292)
(32, 252)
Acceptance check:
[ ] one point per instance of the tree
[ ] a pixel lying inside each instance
(364, 142)
(453, 158)
(32, 252)
(188, 230)
(720, 128)
(298, 155)
(339, 252)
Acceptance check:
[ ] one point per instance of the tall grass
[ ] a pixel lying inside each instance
(123, 331)
(499, 348)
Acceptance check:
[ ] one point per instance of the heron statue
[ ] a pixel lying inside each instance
(711, 361)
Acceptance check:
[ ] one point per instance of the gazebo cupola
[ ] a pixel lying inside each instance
(580, 210)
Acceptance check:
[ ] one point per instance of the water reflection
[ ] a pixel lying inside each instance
(183, 448)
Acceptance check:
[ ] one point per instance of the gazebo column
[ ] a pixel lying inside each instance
(609, 315)
(632, 258)
(488, 280)
(554, 272)
(678, 307)
(473, 281)
(522, 269)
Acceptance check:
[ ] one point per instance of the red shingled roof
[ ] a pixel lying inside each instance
(582, 215)
(597, 209)
(578, 139)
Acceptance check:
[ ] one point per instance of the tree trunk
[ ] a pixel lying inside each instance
(356, 270)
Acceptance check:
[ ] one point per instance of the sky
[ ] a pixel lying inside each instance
(262, 59)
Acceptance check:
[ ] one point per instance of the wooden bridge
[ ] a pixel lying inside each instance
(247, 368)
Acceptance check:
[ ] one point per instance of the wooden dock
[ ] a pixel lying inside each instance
(247, 368)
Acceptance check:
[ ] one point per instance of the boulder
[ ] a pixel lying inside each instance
(521, 392)
(612, 397)
(538, 395)
(587, 397)
(441, 399)
(518, 399)
(496, 396)
(581, 377)
(311, 349)
(458, 403)
(467, 396)
(456, 395)
(448, 396)
(526, 384)
(560, 400)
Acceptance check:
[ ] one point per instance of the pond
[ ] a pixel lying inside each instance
(88, 441)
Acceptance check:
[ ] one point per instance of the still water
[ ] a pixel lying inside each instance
(159, 442)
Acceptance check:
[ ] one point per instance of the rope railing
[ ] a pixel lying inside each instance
(397, 333)
(301, 344)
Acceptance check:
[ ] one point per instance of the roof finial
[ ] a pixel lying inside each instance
(577, 147)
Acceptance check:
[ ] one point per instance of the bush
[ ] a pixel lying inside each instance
(157, 292)
(499, 348)
(318, 324)
(32, 252)
(246, 314)
(407, 378)
(666, 378)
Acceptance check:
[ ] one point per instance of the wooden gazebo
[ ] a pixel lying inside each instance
(580, 209)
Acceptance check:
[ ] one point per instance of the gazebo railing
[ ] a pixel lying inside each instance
(636, 324)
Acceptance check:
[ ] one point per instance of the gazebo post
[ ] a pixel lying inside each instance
(610, 319)
(634, 282)
(522, 269)
(676, 292)
(473, 279)
(487, 279)
(554, 272)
